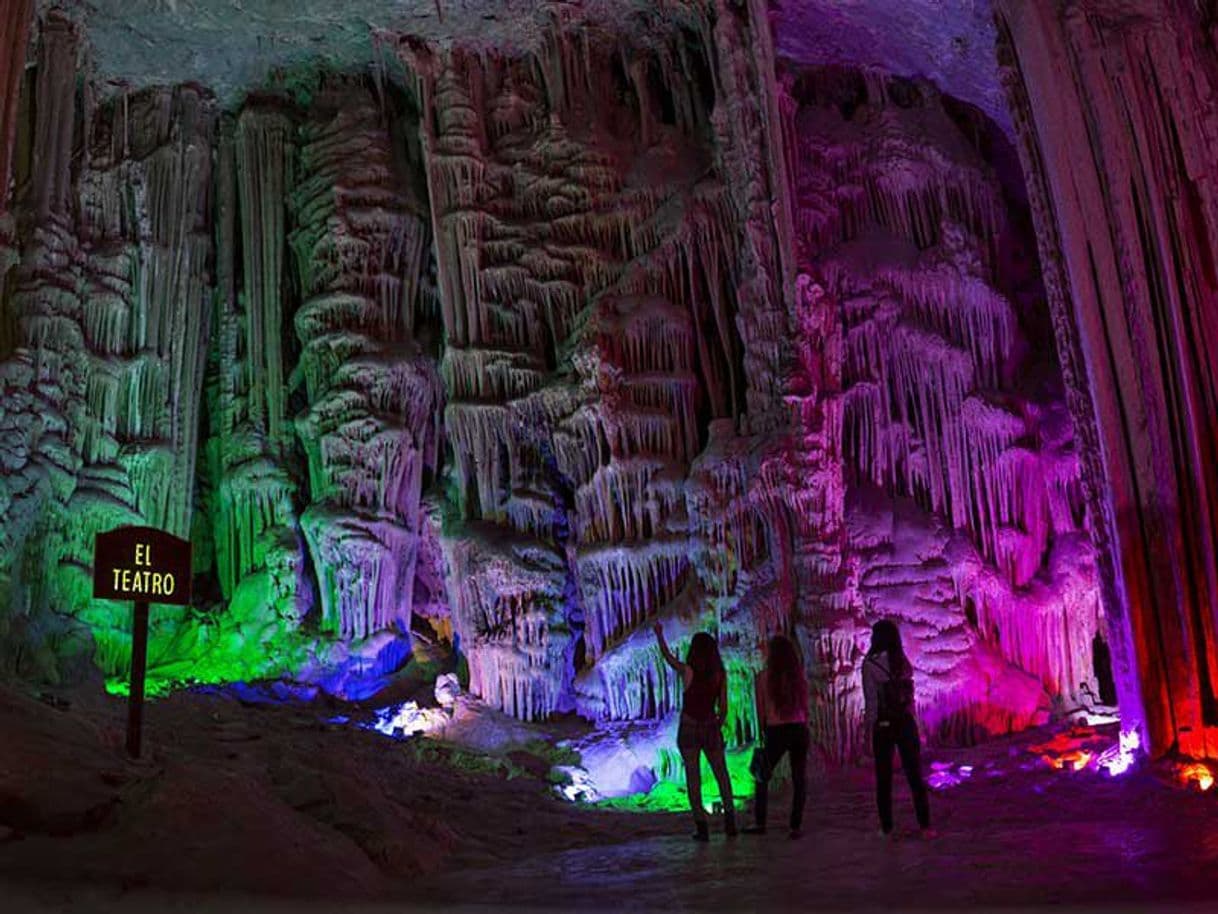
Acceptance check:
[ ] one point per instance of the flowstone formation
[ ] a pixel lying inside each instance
(108, 307)
(964, 505)
(587, 246)
(526, 348)
(276, 259)
(371, 432)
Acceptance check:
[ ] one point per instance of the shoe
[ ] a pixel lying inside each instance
(929, 834)
(703, 833)
(755, 830)
(886, 835)
(796, 834)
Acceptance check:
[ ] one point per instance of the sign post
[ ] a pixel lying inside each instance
(144, 565)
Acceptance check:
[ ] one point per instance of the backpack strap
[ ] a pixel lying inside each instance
(874, 659)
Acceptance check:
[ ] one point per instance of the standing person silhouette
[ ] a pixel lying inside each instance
(782, 711)
(888, 694)
(703, 711)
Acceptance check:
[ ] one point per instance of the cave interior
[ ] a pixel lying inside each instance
(500, 332)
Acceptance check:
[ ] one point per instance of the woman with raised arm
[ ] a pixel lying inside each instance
(888, 696)
(782, 712)
(703, 711)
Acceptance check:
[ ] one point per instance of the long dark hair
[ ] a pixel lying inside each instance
(886, 639)
(784, 674)
(703, 657)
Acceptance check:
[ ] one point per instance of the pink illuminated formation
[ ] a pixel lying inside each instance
(981, 553)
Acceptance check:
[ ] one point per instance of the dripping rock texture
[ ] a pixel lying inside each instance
(528, 343)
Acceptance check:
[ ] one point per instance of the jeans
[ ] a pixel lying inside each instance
(779, 740)
(693, 738)
(902, 736)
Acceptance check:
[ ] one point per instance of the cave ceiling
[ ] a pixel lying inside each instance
(949, 42)
(234, 45)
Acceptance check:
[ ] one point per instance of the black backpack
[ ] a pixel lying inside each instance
(896, 695)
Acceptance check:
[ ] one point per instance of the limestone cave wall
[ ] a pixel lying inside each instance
(528, 348)
(1114, 109)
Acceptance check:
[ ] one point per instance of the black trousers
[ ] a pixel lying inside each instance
(780, 740)
(903, 737)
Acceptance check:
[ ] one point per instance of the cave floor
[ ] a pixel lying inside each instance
(271, 809)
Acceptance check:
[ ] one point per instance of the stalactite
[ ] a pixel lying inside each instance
(54, 98)
(670, 313)
(14, 37)
(43, 378)
(256, 516)
(264, 174)
(896, 213)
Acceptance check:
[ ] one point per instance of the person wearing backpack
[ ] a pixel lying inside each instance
(888, 694)
(782, 711)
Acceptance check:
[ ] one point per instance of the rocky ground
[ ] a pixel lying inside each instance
(244, 806)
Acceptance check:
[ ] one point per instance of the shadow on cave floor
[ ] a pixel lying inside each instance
(271, 809)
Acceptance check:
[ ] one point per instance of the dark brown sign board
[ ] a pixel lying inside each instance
(141, 564)
(144, 565)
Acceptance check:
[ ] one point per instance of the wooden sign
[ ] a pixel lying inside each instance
(144, 565)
